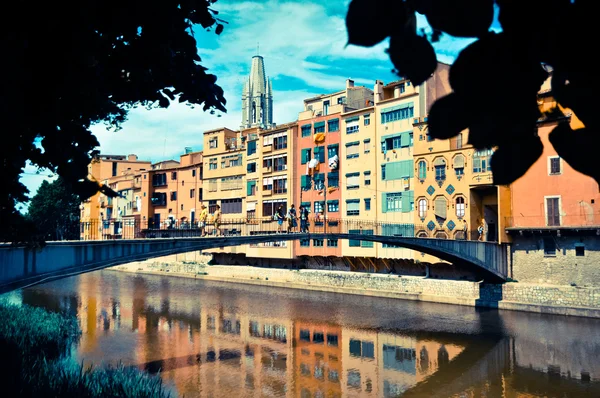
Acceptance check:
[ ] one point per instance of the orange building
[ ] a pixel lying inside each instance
(555, 219)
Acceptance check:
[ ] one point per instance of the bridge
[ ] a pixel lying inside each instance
(24, 266)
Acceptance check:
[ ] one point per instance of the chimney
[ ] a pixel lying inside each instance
(349, 83)
(132, 158)
(378, 91)
(188, 149)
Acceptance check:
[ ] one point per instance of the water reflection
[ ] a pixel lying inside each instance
(214, 339)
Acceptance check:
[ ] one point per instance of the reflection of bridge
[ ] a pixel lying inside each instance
(23, 266)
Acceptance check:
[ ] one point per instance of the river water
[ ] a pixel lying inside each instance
(212, 339)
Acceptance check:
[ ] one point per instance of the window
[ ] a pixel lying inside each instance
(212, 185)
(319, 154)
(367, 144)
(552, 212)
(554, 165)
(305, 155)
(579, 250)
(280, 185)
(352, 125)
(251, 148)
(319, 181)
(251, 167)
(306, 130)
(200, 194)
(332, 150)
(333, 125)
(213, 143)
(325, 108)
(341, 100)
(441, 235)
(549, 247)
(271, 206)
(333, 206)
(394, 201)
(317, 242)
(230, 183)
(173, 175)
(422, 208)
(481, 161)
(383, 172)
(352, 207)
(367, 177)
(354, 242)
(460, 207)
(114, 168)
(159, 180)
(173, 195)
(367, 120)
(352, 150)
(332, 243)
(440, 209)
(459, 141)
(192, 193)
(280, 163)
(402, 88)
(459, 165)
(440, 169)
(231, 161)
(319, 127)
(352, 180)
(400, 112)
(319, 206)
(182, 206)
(367, 204)
(305, 243)
(422, 170)
(333, 179)
(280, 142)
(212, 164)
(396, 141)
(194, 173)
(231, 206)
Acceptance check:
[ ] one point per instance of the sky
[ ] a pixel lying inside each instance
(303, 44)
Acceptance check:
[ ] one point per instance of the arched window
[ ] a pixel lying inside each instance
(460, 207)
(441, 235)
(459, 139)
(422, 208)
(441, 207)
(422, 234)
(440, 169)
(422, 170)
(459, 165)
(254, 112)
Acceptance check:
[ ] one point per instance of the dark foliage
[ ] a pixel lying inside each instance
(496, 79)
(69, 64)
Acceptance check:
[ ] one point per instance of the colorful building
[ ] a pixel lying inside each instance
(318, 164)
(555, 221)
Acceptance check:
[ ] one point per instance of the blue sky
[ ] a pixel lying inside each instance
(304, 47)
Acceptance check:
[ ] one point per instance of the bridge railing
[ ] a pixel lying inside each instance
(138, 229)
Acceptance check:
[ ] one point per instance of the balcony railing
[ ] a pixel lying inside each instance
(158, 202)
(589, 220)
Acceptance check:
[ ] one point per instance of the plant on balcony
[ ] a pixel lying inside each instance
(497, 78)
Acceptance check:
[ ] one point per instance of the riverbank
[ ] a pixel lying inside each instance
(547, 299)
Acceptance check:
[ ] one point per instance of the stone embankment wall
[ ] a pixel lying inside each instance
(565, 300)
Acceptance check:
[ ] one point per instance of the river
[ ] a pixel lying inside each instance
(211, 339)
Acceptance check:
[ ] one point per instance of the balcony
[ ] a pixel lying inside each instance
(267, 148)
(268, 169)
(158, 201)
(267, 192)
(484, 178)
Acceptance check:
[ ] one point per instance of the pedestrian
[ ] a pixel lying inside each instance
(217, 220)
(202, 220)
(303, 219)
(292, 219)
(280, 216)
(465, 229)
(480, 230)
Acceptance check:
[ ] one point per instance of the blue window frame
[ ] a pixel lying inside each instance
(422, 170)
(367, 204)
(333, 125)
(306, 130)
(333, 150)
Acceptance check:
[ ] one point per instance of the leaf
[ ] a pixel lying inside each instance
(219, 29)
(369, 22)
(461, 18)
(510, 162)
(578, 147)
(413, 56)
(447, 117)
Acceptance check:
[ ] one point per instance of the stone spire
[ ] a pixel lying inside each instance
(257, 97)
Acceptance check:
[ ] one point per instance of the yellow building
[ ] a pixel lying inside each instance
(453, 189)
(269, 184)
(358, 182)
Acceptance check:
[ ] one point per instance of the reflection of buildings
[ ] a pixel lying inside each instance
(317, 360)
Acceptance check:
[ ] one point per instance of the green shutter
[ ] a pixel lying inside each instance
(306, 205)
(352, 119)
(319, 124)
(305, 182)
(384, 202)
(405, 202)
(405, 139)
(249, 186)
(305, 155)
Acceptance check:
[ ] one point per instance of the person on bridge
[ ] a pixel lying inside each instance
(464, 229)
(202, 220)
(303, 219)
(480, 230)
(292, 219)
(279, 216)
(217, 220)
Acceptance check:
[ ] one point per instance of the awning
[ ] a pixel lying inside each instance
(397, 107)
(352, 119)
(250, 206)
(319, 124)
(459, 161)
(439, 162)
(440, 208)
